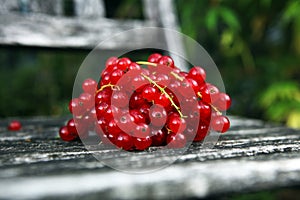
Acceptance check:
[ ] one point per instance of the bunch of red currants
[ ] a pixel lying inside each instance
(135, 107)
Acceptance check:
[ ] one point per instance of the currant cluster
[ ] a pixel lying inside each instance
(135, 107)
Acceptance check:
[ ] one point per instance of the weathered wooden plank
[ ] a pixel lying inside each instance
(252, 156)
(61, 32)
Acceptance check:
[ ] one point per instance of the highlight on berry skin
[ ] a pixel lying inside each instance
(152, 106)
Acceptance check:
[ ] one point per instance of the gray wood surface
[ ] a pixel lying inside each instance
(252, 156)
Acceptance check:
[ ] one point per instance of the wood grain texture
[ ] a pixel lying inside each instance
(252, 156)
(61, 32)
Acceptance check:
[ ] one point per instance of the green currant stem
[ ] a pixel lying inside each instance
(113, 87)
(215, 109)
(199, 95)
(177, 76)
(146, 63)
(162, 90)
(155, 65)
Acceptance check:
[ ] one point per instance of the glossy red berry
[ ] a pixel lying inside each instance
(142, 143)
(142, 130)
(158, 116)
(126, 122)
(123, 63)
(87, 100)
(111, 62)
(159, 137)
(201, 132)
(222, 102)
(138, 116)
(176, 123)
(134, 66)
(72, 126)
(198, 74)
(220, 124)
(166, 61)
(66, 135)
(119, 99)
(154, 58)
(124, 141)
(14, 125)
(76, 107)
(136, 100)
(163, 100)
(176, 140)
(115, 76)
(89, 86)
(112, 127)
(149, 93)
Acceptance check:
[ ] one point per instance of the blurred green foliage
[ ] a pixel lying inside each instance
(37, 82)
(256, 45)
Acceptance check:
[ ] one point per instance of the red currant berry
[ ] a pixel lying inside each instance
(186, 88)
(142, 130)
(119, 99)
(124, 141)
(136, 100)
(112, 127)
(105, 79)
(87, 100)
(205, 111)
(14, 125)
(76, 107)
(72, 126)
(149, 92)
(101, 109)
(66, 135)
(201, 132)
(123, 63)
(111, 111)
(163, 100)
(101, 126)
(220, 123)
(176, 124)
(89, 86)
(134, 66)
(176, 140)
(163, 79)
(111, 62)
(103, 96)
(144, 110)
(223, 102)
(138, 117)
(154, 58)
(158, 115)
(198, 74)
(126, 122)
(138, 82)
(166, 61)
(115, 76)
(159, 137)
(142, 143)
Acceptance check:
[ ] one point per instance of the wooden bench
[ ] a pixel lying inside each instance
(36, 23)
(252, 157)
